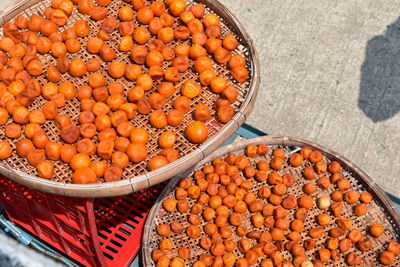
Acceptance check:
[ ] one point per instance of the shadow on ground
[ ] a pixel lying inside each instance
(380, 75)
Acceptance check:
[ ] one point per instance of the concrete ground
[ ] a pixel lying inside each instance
(330, 74)
(13, 253)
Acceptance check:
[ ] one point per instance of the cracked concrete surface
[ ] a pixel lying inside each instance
(312, 53)
(312, 56)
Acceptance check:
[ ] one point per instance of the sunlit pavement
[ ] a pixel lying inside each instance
(315, 54)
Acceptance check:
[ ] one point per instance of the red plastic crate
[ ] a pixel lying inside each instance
(93, 232)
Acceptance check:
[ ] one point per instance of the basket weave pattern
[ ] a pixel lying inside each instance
(380, 210)
(218, 132)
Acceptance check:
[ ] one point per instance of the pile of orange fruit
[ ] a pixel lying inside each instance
(241, 210)
(162, 39)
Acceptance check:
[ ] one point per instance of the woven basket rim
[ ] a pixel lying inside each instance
(133, 184)
(290, 141)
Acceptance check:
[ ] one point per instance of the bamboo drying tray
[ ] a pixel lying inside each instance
(380, 210)
(136, 176)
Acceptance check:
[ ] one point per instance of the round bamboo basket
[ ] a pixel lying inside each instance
(136, 176)
(380, 210)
